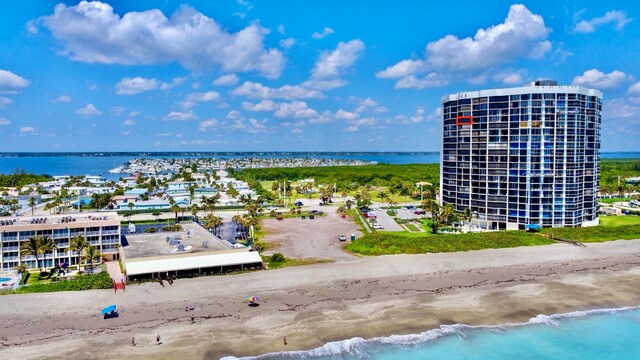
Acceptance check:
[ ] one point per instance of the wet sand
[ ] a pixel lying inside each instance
(316, 304)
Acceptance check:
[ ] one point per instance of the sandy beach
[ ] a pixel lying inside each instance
(315, 304)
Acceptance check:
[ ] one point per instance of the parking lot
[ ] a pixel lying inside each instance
(387, 221)
(317, 238)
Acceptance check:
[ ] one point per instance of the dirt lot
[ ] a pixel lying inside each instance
(317, 238)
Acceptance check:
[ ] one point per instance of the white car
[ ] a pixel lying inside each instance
(342, 237)
(378, 226)
(272, 208)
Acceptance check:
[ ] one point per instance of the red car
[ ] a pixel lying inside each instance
(419, 212)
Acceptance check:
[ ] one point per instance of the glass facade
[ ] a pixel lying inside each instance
(522, 156)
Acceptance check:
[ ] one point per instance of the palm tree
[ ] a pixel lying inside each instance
(21, 269)
(175, 208)
(194, 210)
(92, 255)
(32, 203)
(36, 246)
(468, 216)
(79, 244)
(156, 215)
(382, 195)
(433, 208)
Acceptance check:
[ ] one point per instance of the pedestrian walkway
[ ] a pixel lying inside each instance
(113, 268)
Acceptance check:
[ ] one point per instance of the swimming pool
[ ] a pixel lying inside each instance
(5, 279)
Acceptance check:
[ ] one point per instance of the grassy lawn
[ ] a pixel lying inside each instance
(597, 233)
(615, 199)
(619, 220)
(33, 278)
(352, 214)
(411, 227)
(387, 243)
(419, 243)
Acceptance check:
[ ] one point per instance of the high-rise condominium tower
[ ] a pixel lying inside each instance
(522, 156)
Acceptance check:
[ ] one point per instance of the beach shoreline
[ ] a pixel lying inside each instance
(317, 304)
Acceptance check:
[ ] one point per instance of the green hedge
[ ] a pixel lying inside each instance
(101, 280)
(387, 243)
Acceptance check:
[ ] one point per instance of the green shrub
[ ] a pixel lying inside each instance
(172, 228)
(80, 282)
(150, 230)
(276, 258)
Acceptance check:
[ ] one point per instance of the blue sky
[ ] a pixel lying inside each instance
(294, 75)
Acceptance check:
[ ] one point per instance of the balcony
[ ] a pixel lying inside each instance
(10, 248)
(62, 245)
(9, 258)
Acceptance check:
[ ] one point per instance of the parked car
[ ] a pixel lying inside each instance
(342, 237)
(311, 217)
(419, 212)
(270, 208)
(298, 203)
(378, 226)
(411, 207)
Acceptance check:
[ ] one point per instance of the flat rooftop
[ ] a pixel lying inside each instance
(75, 220)
(156, 244)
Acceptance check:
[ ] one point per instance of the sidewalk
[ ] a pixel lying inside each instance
(113, 268)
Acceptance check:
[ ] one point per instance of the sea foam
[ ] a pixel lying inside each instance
(358, 347)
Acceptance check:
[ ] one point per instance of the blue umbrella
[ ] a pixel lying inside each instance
(533, 227)
(108, 309)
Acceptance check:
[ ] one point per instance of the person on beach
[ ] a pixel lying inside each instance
(133, 341)
(285, 339)
(158, 339)
(193, 319)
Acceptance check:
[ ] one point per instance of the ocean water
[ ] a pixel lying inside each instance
(101, 163)
(586, 335)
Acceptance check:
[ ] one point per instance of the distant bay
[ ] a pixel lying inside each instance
(99, 163)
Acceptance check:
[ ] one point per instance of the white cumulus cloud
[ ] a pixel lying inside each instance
(295, 110)
(287, 43)
(193, 99)
(287, 92)
(5, 121)
(346, 115)
(26, 130)
(89, 110)
(635, 88)
(325, 32)
(331, 63)
(128, 122)
(264, 105)
(595, 78)
(226, 80)
(207, 124)
(522, 35)
(136, 85)
(92, 32)
(4, 101)
(61, 99)
(616, 17)
(180, 116)
(11, 83)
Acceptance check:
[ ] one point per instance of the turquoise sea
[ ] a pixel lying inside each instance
(586, 335)
(101, 163)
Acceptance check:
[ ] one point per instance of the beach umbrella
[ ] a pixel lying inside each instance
(108, 309)
(253, 299)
